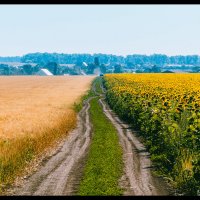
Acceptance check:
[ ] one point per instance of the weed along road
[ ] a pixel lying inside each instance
(71, 170)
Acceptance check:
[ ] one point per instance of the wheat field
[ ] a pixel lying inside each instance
(35, 111)
(29, 104)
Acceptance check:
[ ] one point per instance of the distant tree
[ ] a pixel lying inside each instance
(21, 70)
(91, 68)
(167, 71)
(196, 69)
(36, 68)
(147, 70)
(78, 63)
(135, 61)
(109, 71)
(28, 69)
(65, 70)
(130, 65)
(103, 68)
(155, 69)
(77, 69)
(3, 65)
(96, 61)
(6, 70)
(118, 68)
(138, 71)
(130, 60)
(72, 72)
(52, 67)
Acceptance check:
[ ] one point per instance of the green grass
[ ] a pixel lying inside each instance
(79, 104)
(98, 82)
(104, 165)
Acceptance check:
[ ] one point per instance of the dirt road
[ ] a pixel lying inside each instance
(137, 178)
(61, 173)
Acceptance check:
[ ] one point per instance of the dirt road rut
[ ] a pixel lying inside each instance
(137, 178)
(60, 175)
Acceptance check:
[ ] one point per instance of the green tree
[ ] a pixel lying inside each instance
(96, 61)
(118, 69)
(36, 68)
(6, 70)
(52, 67)
(28, 69)
(155, 69)
(91, 68)
(103, 68)
(77, 69)
(196, 69)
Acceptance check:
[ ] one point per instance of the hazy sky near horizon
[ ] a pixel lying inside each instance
(112, 29)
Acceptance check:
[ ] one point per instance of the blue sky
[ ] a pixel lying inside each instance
(113, 29)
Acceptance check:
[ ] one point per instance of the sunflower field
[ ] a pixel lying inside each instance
(165, 111)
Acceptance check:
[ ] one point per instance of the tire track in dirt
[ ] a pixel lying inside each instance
(137, 178)
(61, 173)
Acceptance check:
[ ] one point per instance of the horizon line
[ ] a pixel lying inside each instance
(104, 54)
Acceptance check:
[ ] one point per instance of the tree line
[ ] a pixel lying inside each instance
(77, 64)
(130, 60)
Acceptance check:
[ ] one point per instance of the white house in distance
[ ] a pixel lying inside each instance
(84, 64)
(44, 72)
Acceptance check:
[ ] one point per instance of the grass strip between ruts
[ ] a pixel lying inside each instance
(104, 165)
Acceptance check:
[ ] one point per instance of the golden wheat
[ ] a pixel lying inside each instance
(29, 104)
(34, 112)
